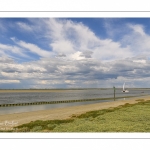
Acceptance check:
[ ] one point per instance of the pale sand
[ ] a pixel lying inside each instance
(63, 113)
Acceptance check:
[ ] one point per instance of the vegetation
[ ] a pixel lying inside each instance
(124, 118)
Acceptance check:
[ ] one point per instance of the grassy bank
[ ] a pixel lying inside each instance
(125, 118)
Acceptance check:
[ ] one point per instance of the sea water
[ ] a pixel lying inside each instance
(28, 97)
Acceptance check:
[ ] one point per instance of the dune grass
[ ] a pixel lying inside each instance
(124, 118)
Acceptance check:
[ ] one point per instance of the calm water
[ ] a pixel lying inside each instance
(8, 98)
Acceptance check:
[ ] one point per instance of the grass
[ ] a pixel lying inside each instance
(124, 118)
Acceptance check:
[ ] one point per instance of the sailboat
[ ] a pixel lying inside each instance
(124, 90)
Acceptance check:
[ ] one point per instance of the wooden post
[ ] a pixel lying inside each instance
(114, 92)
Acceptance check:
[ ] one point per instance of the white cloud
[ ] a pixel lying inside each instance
(140, 61)
(77, 56)
(62, 46)
(70, 81)
(82, 58)
(137, 41)
(110, 50)
(42, 82)
(8, 50)
(137, 29)
(35, 49)
(9, 81)
(73, 38)
(25, 26)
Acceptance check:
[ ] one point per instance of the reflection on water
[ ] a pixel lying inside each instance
(8, 98)
(53, 96)
(19, 109)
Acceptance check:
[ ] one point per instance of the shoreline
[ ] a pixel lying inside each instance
(56, 90)
(62, 113)
(34, 91)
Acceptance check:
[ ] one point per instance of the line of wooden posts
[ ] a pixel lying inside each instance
(54, 102)
(50, 102)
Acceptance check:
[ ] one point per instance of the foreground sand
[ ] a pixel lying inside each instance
(60, 113)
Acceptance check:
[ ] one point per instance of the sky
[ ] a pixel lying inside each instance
(47, 53)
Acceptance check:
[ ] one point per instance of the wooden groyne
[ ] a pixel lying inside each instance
(51, 102)
(56, 102)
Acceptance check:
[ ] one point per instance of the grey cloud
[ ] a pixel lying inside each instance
(58, 70)
(6, 60)
(87, 54)
(10, 70)
(61, 55)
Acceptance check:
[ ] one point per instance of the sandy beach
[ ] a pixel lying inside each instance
(61, 113)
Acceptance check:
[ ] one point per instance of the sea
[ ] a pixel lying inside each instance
(63, 95)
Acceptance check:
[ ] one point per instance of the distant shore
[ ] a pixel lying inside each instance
(64, 113)
(33, 90)
(57, 90)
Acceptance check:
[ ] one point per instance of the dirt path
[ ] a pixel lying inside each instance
(11, 120)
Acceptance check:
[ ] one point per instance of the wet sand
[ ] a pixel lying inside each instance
(61, 113)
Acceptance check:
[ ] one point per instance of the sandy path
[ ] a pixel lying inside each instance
(60, 113)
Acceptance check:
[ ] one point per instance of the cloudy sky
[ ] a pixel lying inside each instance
(74, 52)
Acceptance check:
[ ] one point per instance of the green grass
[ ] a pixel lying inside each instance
(125, 118)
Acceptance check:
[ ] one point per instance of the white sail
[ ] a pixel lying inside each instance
(124, 90)
(124, 86)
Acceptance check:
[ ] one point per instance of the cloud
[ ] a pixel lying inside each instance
(137, 40)
(58, 72)
(2, 26)
(9, 81)
(139, 29)
(74, 56)
(86, 54)
(11, 50)
(34, 49)
(63, 46)
(24, 26)
(6, 60)
(75, 39)
(61, 55)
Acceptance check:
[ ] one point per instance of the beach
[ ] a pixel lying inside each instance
(62, 113)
